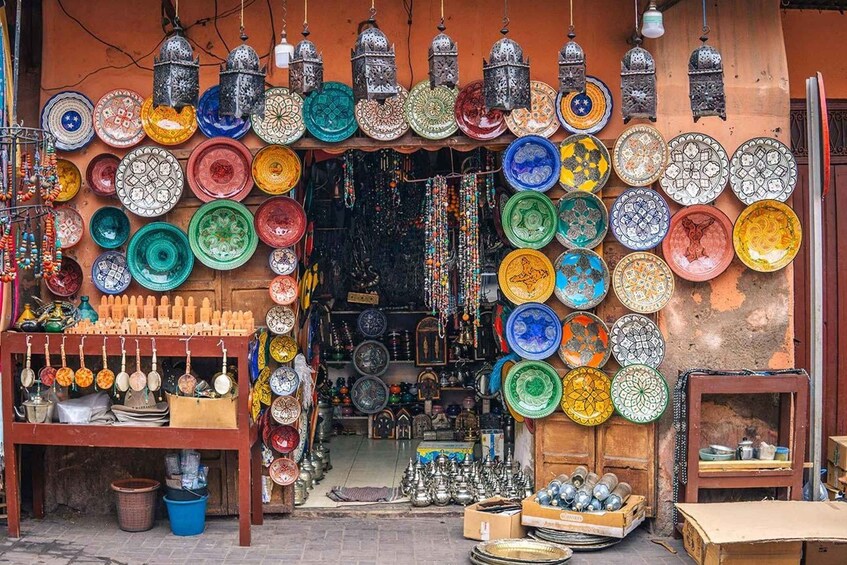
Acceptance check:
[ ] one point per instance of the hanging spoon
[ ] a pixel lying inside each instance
(154, 379)
(122, 378)
(27, 374)
(83, 376)
(65, 375)
(138, 379)
(187, 382)
(105, 376)
(222, 381)
(47, 374)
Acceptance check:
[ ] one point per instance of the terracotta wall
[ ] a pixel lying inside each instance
(814, 41)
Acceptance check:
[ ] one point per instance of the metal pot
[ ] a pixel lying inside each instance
(38, 410)
(301, 493)
(318, 464)
(325, 427)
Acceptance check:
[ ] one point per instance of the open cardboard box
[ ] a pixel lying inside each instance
(613, 524)
(485, 526)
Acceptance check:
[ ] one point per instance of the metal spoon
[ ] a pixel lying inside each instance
(27, 374)
(122, 378)
(138, 379)
(154, 379)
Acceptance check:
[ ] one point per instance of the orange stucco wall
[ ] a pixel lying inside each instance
(814, 41)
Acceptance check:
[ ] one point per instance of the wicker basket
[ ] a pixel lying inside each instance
(136, 501)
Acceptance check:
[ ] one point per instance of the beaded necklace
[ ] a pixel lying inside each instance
(349, 181)
(8, 269)
(469, 264)
(436, 264)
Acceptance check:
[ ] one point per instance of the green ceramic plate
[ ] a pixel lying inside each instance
(109, 227)
(159, 257)
(330, 114)
(529, 220)
(431, 111)
(221, 234)
(533, 389)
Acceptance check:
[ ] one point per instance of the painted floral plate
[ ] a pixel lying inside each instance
(529, 220)
(431, 111)
(583, 220)
(283, 349)
(69, 226)
(284, 381)
(221, 235)
(329, 114)
(541, 118)
(582, 279)
(285, 410)
(100, 174)
(283, 260)
(110, 273)
(283, 471)
(586, 164)
(767, 236)
(526, 275)
(149, 181)
(533, 331)
(283, 122)
(372, 323)
(68, 116)
(280, 221)
(283, 289)
(383, 120)
(371, 358)
(640, 393)
(276, 169)
(117, 118)
(369, 394)
(473, 118)
(109, 227)
(640, 155)
(640, 218)
(636, 340)
(210, 121)
(220, 168)
(643, 282)
(68, 281)
(70, 179)
(697, 171)
(698, 246)
(167, 126)
(586, 397)
(588, 111)
(762, 168)
(531, 163)
(533, 389)
(585, 341)
(280, 319)
(159, 256)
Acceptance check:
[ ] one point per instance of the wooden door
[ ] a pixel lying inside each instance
(561, 445)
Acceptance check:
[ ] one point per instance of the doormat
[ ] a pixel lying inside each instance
(365, 494)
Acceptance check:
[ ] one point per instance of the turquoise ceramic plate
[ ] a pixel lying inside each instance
(221, 234)
(529, 220)
(583, 220)
(330, 114)
(582, 279)
(533, 389)
(109, 227)
(159, 256)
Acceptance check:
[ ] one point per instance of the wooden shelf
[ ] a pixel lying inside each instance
(735, 466)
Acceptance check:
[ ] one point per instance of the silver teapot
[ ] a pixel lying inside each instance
(301, 492)
(440, 495)
(420, 496)
(318, 465)
(306, 473)
(462, 494)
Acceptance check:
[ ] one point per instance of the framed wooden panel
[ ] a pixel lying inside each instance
(560, 445)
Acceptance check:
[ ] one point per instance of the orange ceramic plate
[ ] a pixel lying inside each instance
(767, 236)
(69, 178)
(526, 275)
(276, 169)
(585, 341)
(166, 126)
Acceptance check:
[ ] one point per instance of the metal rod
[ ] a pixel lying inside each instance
(16, 65)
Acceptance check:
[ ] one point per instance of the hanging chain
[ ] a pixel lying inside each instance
(706, 28)
(571, 28)
(636, 16)
(284, 16)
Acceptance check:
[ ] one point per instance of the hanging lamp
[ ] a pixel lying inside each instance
(638, 81)
(374, 64)
(284, 51)
(176, 73)
(705, 78)
(506, 74)
(571, 63)
(443, 58)
(652, 22)
(307, 65)
(242, 82)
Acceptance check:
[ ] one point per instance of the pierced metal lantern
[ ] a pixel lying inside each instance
(176, 73)
(571, 66)
(638, 85)
(306, 70)
(242, 83)
(705, 79)
(506, 77)
(374, 65)
(443, 60)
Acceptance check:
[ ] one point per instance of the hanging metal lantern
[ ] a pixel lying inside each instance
(176, 73)
(242, 83)
(443, 60)
(506, 75)
(638, 84)
(306, 70)
(571, 66)
(374, 65)
(705, 79)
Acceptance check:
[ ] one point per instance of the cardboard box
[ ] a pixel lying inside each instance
(825, 553)
(836, 451)
(833, 473)
(484, 526)
(613, 524)
(455, 450)
(209, 413)
(705, 553)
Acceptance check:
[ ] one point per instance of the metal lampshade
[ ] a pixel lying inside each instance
(374, 65)
(176, 73)
(571, 66)
(242, 83)
(443, 60)
(638, 85)
(306, 71)
(705, 80)
(506, 77)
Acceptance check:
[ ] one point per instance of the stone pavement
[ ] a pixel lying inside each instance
(347, 540)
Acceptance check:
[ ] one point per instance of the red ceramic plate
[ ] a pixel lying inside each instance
(284, 439)
(100, 174)
(220, 168)
(283, 290)
(67, 281)
(473, 118)
(280, 221)
(698, 246)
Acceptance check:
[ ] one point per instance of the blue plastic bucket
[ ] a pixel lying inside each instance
(188, 517)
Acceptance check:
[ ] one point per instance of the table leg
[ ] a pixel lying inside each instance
(38, 481)
(13, 491)
(244, 496)
(256, 485)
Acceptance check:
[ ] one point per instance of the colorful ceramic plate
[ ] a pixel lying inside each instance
(283, 289)
(540, 119)
(698, 246)
(583, 220)
(221, 235)
(383, 120)
(697, 171)
(167, 126)
(283, 260)
(586, 164)
(767, 236)
(149, 181)
(284, 439)
(586, 398)
(68, 116)
(117, 118)
(329, 114)
(372, 323)
(643, 282)
(473, 118)
(67, 281)
(280, 319)
(533, 389)
(285, 410)
(220, 168)
(110, 273)
(640, 155)
(585, 112)
(533, 331)
(526, 275)
(531, 163)
(283, 349)
(283, 122)
(100, 174)
(70, 179)
(636, 340)
(585, 341)
(276, 169)
(283, 471)
(159, 256)
(640, 218)
(210, 121)
(529, 220)
(109, 227)
(371, 358)
(640, 393)
(762, 169)
(284, 381)
(369, 395)
(280, 221)
(431, 111)
(582, 279)
(69, 226)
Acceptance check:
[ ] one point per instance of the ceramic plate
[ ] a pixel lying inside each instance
(640, 155)
(698, 246)
(283, 289)
(586, 398)
(285, 410)
(582, 279)
(210, 121)
(283, 260)
(643, 282)
(372, 323)
(68, 116)
(762, 169)
(100, 174)
(167, 126)
(276, 169)
(67, 281)
(109, 227)
(371, 358)
(431, 111)
(285, 439)
(533, 331)
(280, 319)
(640, 218)
(159, 256)
(529, 220)
(526, 275)
(284, 381)
(697, 171)
(383, 120)
(369, 395)
(533, 389)
(283, 349)
(283, 471)
(531, 163)
(117, 118)
(541, 118)
(283, 122)
(149, 181)
(473, 118)
(220, 168)
(329, 114)
(586, 164)
(70, 179)
(280, 221)
(637, 340)
(110, 273)
(640, 393)
(69, 226)
(583, 220)
(585, 341)
(585, 112)
(767, 236)
(221, 235)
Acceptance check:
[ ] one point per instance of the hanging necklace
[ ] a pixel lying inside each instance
(469, 269)
(437, 276)
(28, 177)
(349, 181)
(49, 175)
(8, 269)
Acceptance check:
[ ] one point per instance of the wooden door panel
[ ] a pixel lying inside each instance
(217, 505)
(629, 451)
(560, 445)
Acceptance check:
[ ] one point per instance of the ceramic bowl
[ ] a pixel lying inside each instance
(109, 227)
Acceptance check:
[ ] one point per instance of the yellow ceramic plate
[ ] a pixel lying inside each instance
(283, 349)
(586, 164)
(526, 275)
(767, 236)
(276, 169)
(587, 398)
(70, 179)
(165, 125)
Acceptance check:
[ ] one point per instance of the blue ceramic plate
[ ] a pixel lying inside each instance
(585, 112)
(160, 257)
(583, 220)
(69, 117)
(109, 227)
(534, 331)
(212, 124)
(330, 114)
(582, 279)
(640, 218)
(531, 163)
(110, 273)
